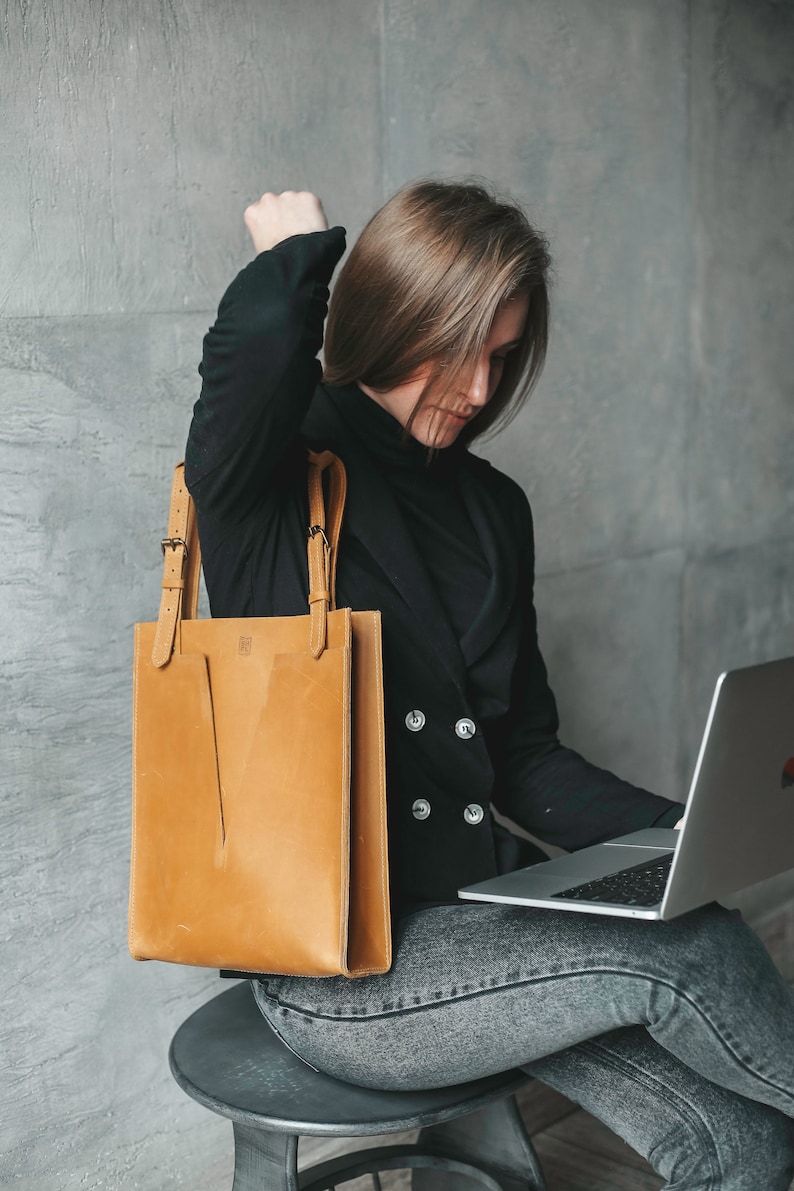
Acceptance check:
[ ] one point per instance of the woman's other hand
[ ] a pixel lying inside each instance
(276, 217)
(677, 826)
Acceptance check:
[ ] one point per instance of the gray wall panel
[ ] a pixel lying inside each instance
(740, 464)
(616, 682)
(138, 133)
(94, 415)
(580, 110)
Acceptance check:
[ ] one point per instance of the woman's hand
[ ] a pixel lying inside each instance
(677, 826)
(276, 217)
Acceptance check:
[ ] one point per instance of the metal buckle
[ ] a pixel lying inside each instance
(173, 543)
(318, 529)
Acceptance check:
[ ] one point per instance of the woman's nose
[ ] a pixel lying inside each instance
(478, 389)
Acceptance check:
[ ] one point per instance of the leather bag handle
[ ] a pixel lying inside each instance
(323, 541)
(177, 582)
(182, 555)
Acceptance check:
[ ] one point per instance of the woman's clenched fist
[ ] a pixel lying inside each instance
(275, 217)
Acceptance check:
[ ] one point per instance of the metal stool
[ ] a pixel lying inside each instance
(227, 1057)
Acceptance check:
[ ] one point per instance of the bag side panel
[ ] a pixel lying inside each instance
(369, 948)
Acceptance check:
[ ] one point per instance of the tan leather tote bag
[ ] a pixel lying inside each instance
(259, 799)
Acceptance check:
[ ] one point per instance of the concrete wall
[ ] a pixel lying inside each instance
(650, 138)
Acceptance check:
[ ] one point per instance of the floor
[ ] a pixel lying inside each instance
(577, 1152)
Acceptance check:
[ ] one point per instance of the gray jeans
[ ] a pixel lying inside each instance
(679, 1035)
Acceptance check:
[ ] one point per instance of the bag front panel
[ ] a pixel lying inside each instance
(241, 797)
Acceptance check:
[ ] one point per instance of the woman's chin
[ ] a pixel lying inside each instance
(440, 436)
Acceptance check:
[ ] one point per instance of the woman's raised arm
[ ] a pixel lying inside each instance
(259, 367)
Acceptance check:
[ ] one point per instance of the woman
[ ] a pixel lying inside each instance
(679, 1035)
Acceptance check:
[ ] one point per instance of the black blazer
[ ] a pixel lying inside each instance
(487, 732)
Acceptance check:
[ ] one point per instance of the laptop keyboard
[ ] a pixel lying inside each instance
(640, 885)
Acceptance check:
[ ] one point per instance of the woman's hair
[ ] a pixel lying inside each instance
(421, 288)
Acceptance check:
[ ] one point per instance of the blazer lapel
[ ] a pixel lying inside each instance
(499, 548)
(377, 522)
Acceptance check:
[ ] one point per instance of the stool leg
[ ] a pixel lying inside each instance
(264, 1161)
(495, 1136)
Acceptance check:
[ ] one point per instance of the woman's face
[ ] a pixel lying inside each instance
(439, 424)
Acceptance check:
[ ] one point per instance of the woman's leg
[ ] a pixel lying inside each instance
(476, 989)
(699, 1136)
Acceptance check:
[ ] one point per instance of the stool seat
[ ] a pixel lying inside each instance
(227, 1057)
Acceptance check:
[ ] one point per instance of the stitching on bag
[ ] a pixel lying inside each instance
(382, 770)
(381, 766)
(316, 624)
(344, 885)
(382, 775)
(339, 478)
(310, 556)
(193, 561)
(130, 924)
(312, 585)
(166, 620)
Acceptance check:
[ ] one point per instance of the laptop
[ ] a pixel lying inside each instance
(738, 823)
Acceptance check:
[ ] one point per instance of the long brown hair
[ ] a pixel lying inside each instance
(421, 287)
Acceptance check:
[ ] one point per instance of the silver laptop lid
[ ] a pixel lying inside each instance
(740, 827)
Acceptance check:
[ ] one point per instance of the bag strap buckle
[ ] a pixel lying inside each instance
(172, 543)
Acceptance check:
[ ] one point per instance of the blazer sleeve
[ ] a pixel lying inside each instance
(548, 789)
(259, 372)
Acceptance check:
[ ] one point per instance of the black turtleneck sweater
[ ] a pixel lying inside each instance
(425, 487)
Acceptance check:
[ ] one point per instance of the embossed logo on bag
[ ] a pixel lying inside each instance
(244, 646)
